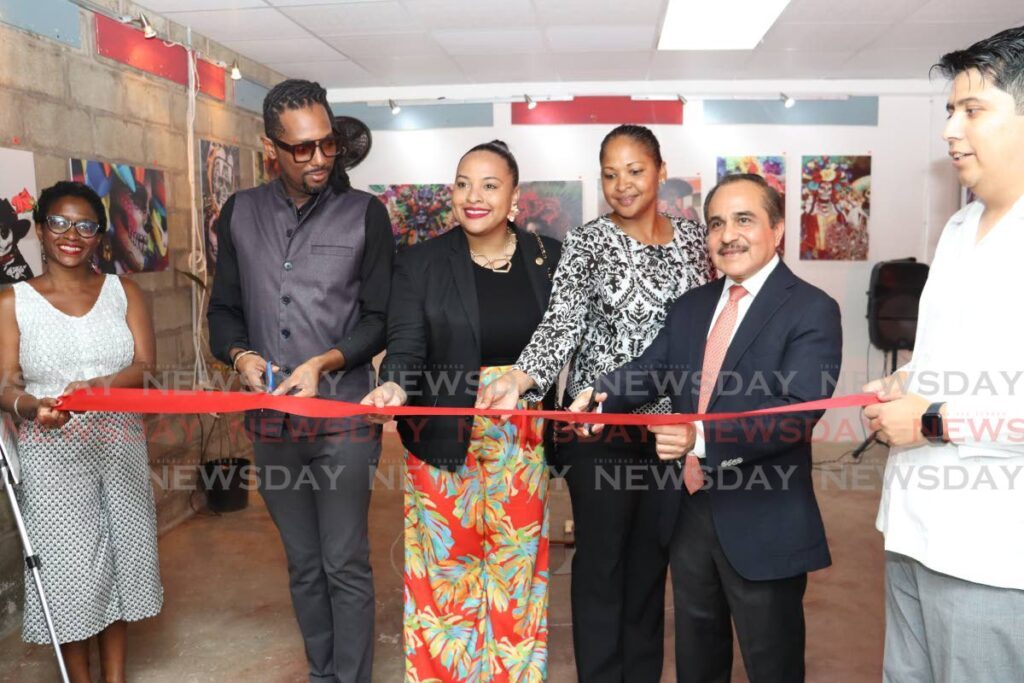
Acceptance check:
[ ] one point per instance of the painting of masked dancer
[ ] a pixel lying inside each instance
(418, 212)
(835, 201)
(771, 168)
(550, 207)
(218, 171)
(136, 203)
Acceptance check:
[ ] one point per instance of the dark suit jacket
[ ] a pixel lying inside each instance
(786, 350)
(433, 348)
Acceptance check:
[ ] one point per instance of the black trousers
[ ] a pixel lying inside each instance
(618, 571)
(317, 491)
(710, 596)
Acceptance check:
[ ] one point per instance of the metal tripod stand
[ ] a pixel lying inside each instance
(31, 559)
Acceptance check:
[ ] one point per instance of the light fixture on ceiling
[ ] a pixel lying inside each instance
(721, 25)
(236, 73)
(787, 101)
(530, 102)
(147, 28)
(395, 109)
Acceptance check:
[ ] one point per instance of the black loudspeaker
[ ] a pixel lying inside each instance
(893, 298)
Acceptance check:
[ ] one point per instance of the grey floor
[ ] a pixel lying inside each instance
(227, 616)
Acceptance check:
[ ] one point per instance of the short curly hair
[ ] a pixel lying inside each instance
(68, 188)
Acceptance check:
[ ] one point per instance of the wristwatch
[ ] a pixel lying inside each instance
(931, 424)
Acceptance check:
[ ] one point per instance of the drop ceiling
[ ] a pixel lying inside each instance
(346, 44)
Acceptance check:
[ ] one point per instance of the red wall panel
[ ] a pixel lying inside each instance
(603, 110)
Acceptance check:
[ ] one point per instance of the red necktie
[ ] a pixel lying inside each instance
(714, 354)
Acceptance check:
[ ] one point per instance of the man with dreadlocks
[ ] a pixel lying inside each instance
(302, 283)
(953, 506)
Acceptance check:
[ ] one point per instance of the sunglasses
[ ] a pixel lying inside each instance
(302, 152)
(60, 225)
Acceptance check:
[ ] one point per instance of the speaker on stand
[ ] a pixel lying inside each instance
(894, 293)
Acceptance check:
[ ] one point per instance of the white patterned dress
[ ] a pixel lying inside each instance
(85, 490)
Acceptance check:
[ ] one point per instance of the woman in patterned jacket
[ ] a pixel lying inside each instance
(617, 278)
(463, 305)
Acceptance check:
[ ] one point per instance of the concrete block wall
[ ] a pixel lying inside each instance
(61, 102)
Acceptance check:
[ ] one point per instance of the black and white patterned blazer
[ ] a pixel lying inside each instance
(610, 297)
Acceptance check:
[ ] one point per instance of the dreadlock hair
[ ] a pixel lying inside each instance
(296, 93)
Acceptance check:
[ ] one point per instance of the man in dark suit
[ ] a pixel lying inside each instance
(744, 529)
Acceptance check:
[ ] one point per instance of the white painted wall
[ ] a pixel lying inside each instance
(914, 190)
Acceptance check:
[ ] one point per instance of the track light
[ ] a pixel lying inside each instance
(147, 28)
(530, 102)
(787, 101)
(236, 74)
(395, 109)
(682, 100)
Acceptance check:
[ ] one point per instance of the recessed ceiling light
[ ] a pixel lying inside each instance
(720, 25)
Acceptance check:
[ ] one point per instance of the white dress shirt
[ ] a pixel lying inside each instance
(753, 285)
(958, 508)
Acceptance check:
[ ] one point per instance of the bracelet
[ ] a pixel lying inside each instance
(15, 407)
(234, 361)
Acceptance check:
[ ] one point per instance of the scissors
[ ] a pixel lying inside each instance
(270, 375)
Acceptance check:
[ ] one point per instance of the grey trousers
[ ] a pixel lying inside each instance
(318, 494)
(941, 629)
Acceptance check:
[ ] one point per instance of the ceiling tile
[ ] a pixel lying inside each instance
(340, 74)
(941, 37)
(414, 70)
(1008, 12)
(385, 45)
(792, 63)
(605, 38)
(296, 3)
(872, 63)
(582, 12)
(265, 51)
(506, 67)
(353, 19)
(829, 11)
(824, 37)
(167, 6)
(672, 65)
(467, 42)
(601, 66)
(240, 24)
(458, 14)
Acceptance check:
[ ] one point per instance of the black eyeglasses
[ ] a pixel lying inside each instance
(302, 152)
(60, 225)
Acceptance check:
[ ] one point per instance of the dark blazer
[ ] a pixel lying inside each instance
(433, 348)
(787, 349)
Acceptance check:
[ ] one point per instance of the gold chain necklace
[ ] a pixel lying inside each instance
(500, 264)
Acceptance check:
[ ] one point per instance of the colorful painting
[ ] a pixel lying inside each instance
(771, 168)
(835, 204)
(418, 212)
(550, 207)
(265, 169)
(679, 197)
(136, 201)
(219, 169)
(20, 255)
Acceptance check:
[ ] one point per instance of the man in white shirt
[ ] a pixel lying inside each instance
(952, 507)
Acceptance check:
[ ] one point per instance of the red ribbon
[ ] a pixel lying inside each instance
(154, 401)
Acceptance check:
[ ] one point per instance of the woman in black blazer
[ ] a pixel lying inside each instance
(463, 306)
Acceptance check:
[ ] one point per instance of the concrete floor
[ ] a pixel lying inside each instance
(227, 616)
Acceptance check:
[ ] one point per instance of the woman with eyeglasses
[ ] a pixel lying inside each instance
(85, 490)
